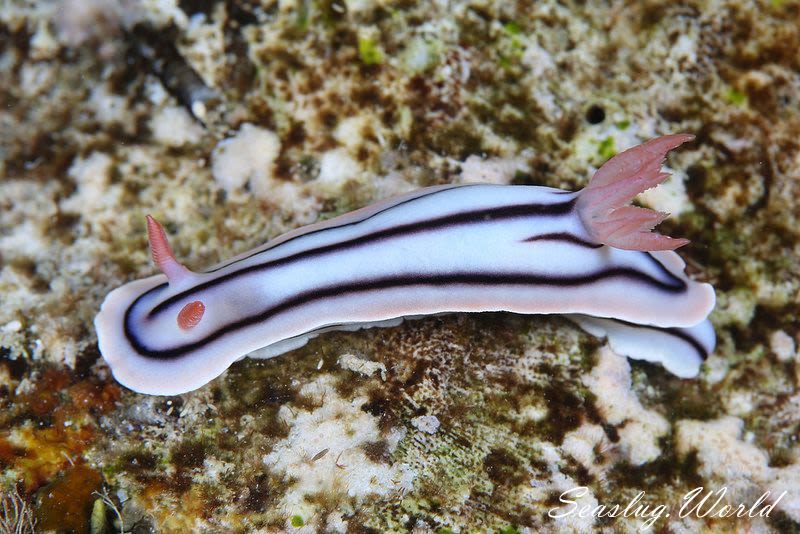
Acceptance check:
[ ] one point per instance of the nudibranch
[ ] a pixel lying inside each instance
(458, 248)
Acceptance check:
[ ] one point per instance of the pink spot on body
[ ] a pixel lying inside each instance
(191, 314)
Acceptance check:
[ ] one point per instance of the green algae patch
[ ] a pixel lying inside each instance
(737, 98)
(369, 51)
(606, 149)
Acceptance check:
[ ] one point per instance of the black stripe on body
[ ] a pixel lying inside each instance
(486, 280)
(343, 225)
(563, 236)
(437, 223)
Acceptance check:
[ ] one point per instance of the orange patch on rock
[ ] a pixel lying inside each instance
(42, 453)
(66, 504)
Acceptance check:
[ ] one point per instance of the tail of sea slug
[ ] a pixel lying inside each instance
(603, 205)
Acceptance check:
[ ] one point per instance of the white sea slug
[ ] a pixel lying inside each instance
(468, 248)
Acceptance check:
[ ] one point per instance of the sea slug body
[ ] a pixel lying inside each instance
(468, 248)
